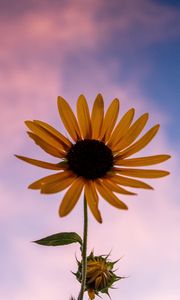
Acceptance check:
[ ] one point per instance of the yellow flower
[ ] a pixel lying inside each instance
(96, 157)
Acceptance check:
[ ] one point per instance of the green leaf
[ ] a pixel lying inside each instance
(60, 239)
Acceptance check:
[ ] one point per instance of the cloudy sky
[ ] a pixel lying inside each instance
(126, 49)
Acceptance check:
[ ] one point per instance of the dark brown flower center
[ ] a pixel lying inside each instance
(90, 158)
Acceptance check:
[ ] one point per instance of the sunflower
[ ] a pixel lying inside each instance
(96, 157)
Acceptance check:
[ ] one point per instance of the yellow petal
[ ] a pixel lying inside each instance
(44, 135)
(46, 147)
(109, 120)
(104, 281)
(40, 163)
(97, 116)
(71, 197)
(121, 128)
(84, 117)
(132, 133)
(98, 281)
(91, 294)
(140, 144)
(142, 161)
(92, 200)
(68, 118)
(59, 185)
(109, 196)
(96, 274)
(115, 188)
(142, 173)
(36, 185)
(91, 269)
(130, 182)
(55, 133)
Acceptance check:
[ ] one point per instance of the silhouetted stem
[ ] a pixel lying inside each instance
(84, 252)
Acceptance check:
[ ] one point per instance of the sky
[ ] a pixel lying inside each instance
(125, 49)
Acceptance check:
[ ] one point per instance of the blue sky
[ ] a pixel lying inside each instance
(126, 49)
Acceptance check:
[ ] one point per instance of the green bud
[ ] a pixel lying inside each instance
(100, 274)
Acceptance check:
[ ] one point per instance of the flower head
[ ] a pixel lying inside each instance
(96, 156)
(100, 275)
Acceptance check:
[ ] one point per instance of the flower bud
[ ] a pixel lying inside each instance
(100, 275)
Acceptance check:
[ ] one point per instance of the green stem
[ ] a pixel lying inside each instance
(84, 252)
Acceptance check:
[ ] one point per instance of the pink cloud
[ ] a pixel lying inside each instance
(77, 26)
(154, 22)
(31, 78)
